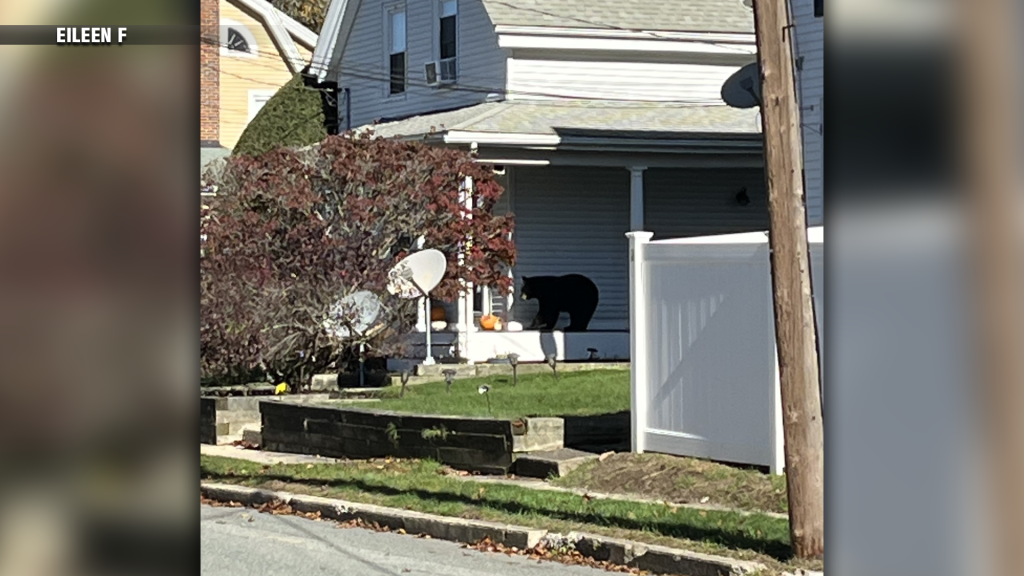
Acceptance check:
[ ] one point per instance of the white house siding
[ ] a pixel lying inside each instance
(655, 81)
(574, 220)
(688, 202)
(810, 46)
(365, 70)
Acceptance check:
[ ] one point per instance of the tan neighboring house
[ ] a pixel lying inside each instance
(250, 49)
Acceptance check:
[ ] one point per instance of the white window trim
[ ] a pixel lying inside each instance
(390, 9)
(254, 95)
(225, 24)
(435, 43)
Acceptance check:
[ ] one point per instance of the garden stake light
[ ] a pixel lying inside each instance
(484, 389)
(553, 364)
(449, 376)
(513, 359)
(405, 380)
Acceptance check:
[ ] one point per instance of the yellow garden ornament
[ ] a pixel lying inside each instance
(281, 388)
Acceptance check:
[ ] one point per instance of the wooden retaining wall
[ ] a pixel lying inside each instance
(599, 433)
(208, 421)
(475, 444)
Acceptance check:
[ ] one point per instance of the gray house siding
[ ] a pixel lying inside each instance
(364, 67)
(573, 220)
(686, 202)
(810, 54)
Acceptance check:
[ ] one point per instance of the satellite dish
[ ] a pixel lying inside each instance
(417, 274)
(414, 277)
(743, 88)
(353, 315)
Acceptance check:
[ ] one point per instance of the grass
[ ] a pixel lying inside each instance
(428, 487)
(681, 480)
(571, 394)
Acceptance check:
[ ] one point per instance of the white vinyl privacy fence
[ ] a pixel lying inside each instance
(705, 373)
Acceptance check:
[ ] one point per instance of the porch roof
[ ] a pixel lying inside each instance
(552, 123)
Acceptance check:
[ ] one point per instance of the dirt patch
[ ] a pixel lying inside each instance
(681, 480)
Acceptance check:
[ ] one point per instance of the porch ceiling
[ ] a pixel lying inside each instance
(545, 123)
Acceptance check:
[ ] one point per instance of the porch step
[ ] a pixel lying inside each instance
(551, 464)
(437, 370)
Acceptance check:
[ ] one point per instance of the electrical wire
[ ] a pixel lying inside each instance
(381, 75)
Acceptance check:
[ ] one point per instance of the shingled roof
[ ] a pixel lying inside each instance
(635, 15)
(581, 117)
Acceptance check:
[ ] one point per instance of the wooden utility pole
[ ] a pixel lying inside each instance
(791, 281)
(989, 128)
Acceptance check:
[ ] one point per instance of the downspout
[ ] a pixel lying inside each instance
(348, 109)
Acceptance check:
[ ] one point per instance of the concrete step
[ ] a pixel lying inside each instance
(237, 416)
(550, 464)
(437, 370)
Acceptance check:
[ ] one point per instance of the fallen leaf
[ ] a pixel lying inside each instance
(604, 456)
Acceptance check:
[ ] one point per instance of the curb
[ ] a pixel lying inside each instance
(656, 559)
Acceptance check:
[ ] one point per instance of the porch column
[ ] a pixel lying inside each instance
(638, 376)
(636, 198)
(464, 307)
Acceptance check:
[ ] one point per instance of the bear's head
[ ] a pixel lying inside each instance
(527, 292)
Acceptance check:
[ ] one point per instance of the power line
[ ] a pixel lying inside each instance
(383, 76)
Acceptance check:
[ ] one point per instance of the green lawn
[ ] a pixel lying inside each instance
(427, 487)
(572, 393)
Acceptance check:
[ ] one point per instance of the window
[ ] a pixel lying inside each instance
(449, 11)
(447, 39)
(237, 40)
(257, 99)
(396, 51)
(818, 8)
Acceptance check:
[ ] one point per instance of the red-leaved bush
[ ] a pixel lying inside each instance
(291, 232)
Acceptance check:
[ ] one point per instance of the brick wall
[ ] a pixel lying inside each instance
(209, 98)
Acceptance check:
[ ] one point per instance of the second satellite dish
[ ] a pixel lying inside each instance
(353, 315)
(417, 274)
(743, 88)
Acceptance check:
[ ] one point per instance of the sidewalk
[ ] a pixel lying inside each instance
(262, 457)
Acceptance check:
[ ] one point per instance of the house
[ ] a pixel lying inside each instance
(809, 24)
(600, 117)
(250, 49)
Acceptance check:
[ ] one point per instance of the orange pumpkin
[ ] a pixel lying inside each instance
(488, 322)
(437, 314)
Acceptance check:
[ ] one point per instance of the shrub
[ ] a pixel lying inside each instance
(293, 116)
(290, 232)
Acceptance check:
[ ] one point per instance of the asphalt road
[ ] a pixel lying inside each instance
(238, 541)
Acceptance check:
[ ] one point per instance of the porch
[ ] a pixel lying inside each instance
(578, 178)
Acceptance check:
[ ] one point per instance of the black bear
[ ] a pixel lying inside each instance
(573, 293)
